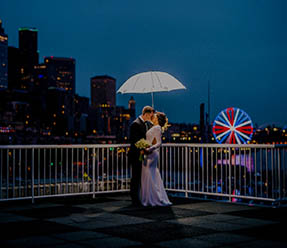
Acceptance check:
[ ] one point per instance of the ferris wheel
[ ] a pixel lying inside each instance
(232, 126)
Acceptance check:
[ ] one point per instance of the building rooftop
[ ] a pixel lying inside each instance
(103, 77)
(28, 29)
(111, 221)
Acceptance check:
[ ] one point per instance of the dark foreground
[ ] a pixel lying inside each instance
(111, 221)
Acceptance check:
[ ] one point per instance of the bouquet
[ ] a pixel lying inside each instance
(142, 144)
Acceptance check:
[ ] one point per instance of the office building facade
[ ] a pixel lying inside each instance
(61, 73)
(103, 91)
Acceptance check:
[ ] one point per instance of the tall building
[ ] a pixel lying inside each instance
(3, 58)
(28, 57)
(28, 45)
(60, 111)
(103, 91)
(40, 78)
(14, 68)
(61, 73)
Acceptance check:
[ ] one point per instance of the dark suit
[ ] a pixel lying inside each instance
(137, 131)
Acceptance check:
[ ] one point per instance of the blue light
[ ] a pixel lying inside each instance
(40, 76)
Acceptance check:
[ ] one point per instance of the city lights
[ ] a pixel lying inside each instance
(47, 98)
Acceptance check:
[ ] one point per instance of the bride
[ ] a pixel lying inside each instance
(152, 190)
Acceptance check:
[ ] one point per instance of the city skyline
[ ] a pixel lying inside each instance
(240, 48)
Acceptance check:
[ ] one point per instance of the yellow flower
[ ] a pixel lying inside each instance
(142, 144)
(166, 125)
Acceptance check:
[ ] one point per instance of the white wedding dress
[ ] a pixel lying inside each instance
(152, 190)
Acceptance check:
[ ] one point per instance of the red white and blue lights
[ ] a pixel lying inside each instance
(232, 126)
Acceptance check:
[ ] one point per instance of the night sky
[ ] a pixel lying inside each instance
(240, 47)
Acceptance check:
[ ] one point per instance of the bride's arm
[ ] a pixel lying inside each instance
(157, 135)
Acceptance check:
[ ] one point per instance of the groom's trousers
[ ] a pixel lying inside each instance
(136, 181)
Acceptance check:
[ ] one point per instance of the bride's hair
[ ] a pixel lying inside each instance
(161, 118)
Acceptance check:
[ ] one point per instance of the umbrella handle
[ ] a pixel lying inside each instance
(152, 101)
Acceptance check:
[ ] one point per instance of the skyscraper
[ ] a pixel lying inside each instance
(40, 77)
(3, 58)
(29, 57)
(103, 91)
(14, 68)
(61, 73)
(28, 45)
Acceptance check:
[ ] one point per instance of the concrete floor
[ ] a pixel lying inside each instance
(111, 221)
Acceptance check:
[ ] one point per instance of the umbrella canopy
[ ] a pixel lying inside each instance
(150, 82)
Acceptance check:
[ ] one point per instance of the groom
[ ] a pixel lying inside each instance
(138, 131)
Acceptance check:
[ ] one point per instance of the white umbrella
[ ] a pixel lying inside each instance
(150, 82)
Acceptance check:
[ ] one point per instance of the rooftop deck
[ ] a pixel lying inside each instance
(111, 221)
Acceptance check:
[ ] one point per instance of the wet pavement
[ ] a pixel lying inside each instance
(112, 221)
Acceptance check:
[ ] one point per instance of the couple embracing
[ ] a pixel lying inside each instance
(147, 188)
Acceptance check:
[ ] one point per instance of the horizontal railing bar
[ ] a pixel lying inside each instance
(223, 145)
(62, 195)
(127, 145)
(16, 199)
(223, 195)
(64, 146)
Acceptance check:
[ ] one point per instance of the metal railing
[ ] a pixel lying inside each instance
(228, 172)
(39, 171)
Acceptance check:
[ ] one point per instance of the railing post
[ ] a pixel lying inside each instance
(1, 172)
(283, 172)
(33, 200)
(186, 172)
(94, 174)
(229, 172)
(279, 173)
